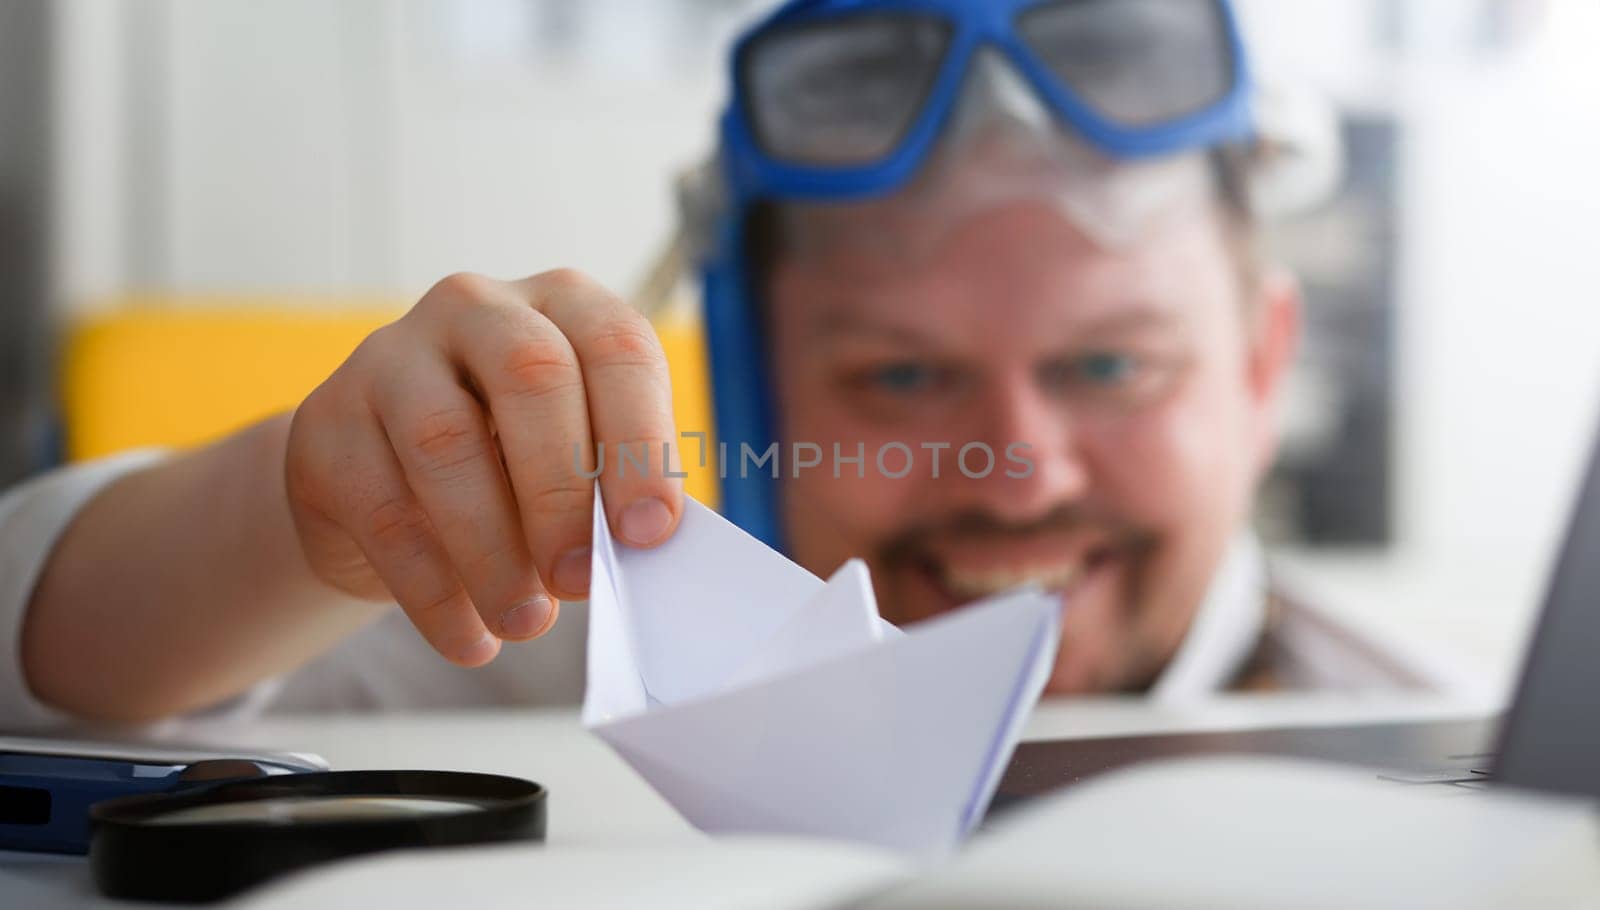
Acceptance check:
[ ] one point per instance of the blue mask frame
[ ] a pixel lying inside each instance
(744, 407)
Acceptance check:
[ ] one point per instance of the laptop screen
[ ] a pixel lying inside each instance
(1551, 740)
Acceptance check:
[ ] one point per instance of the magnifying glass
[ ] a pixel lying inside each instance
(209, 843)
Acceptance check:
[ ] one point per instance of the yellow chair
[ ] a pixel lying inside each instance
(178, 372)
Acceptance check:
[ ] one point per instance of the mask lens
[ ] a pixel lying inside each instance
(842, 92)
(1136, 62)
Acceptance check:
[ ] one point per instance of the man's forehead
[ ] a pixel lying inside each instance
(885, 237)
(1021, 268)
(842, 323)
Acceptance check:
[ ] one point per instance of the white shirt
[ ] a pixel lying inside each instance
(387, 665)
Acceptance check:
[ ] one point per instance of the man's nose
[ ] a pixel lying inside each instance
(1039, 464)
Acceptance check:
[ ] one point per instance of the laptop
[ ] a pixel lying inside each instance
(1548, 740)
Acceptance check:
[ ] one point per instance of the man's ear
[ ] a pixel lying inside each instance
(1275, 327)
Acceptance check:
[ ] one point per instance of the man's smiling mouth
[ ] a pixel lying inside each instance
(964, 582)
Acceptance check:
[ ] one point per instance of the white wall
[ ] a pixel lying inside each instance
(374, 145)
(514, 166)
(91, 183)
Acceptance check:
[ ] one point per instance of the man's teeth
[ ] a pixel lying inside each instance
(983, 582)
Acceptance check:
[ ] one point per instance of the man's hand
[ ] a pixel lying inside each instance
(437, 467)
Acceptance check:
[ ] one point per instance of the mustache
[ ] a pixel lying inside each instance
(914, 544)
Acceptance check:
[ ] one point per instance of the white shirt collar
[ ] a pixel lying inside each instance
(1224, 630)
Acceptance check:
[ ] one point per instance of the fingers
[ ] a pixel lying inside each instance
(452, 466)
(451, 460)
(359, 485)
(630, 402)
(567, 366)
(528, 376)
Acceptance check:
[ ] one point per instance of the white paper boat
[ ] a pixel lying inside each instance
(756, 698)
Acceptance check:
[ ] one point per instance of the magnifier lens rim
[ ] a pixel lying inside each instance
(284, 810)
(133, 853)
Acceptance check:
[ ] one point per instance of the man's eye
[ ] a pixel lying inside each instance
(1107, 367)
(903, 377)
(1098, 368)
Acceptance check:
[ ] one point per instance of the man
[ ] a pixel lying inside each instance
(1012, 227)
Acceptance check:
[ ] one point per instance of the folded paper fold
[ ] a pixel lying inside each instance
(755, 697)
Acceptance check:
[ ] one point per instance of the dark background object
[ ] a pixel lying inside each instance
(25, 156)
(1333, 482)
(1445, 752)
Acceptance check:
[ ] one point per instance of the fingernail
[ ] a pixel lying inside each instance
(645, 521)
(572, 571)
(479, 652)
(525, 619)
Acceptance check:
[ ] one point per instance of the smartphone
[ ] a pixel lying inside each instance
(47, 786)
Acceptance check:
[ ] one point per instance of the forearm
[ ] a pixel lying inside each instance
(180, 586)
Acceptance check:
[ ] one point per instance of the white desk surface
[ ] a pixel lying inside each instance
(598, 804)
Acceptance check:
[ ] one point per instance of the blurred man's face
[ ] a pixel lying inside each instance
(1141, 382)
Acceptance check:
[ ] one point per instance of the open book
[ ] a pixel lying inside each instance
(755, 697)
